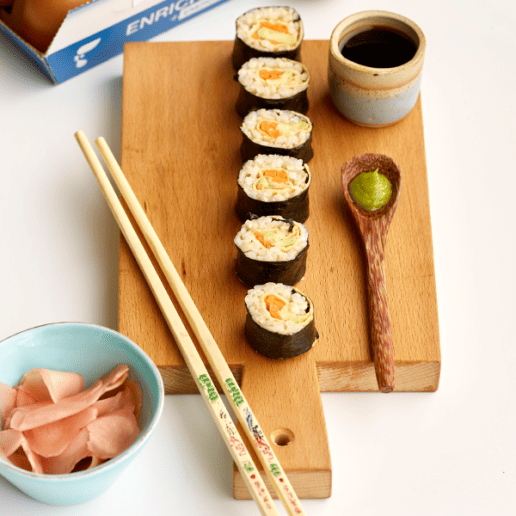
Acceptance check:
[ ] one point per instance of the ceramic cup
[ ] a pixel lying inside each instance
(374, 97)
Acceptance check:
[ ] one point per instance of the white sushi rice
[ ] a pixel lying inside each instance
(249, 23)
(299, 177)
(249, 244)
(296, 137)
(249, 77)
(296, 303)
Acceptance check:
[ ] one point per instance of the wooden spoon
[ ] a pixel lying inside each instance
(374, 226)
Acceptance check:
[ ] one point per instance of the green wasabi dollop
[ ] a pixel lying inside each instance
(371, 190)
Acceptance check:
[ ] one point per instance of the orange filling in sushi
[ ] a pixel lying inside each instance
(275, 33)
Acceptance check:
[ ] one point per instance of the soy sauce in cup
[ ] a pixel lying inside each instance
(375, 63)
(379, 47)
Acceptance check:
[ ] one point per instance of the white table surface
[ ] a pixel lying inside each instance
(448, 453)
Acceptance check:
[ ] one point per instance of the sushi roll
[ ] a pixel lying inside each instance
(274, 185)
(267, 32)
(271, 249)
(267, 82)
(276, 131)
(279, 321)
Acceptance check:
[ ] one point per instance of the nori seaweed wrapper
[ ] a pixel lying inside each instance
(296, 208)
(242, 52)
(248, 101)
(278, 345)
(249, 149)
(257, 272)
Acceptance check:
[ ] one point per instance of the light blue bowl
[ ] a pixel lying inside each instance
(91, 351)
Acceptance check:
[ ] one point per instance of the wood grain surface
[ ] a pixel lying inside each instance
(180, 152)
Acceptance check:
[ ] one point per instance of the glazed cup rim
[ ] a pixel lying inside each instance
(336, 38)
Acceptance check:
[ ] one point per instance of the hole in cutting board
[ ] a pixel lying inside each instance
(282, 437)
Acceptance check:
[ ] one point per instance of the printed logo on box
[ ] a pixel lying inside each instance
(79, 59)
(179, 10)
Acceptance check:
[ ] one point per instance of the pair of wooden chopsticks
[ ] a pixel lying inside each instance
(196, 366)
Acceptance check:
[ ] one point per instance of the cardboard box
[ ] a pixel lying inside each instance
(98, 30)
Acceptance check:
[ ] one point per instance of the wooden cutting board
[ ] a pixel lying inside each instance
(180, 152)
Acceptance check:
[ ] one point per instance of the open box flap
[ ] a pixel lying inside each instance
(95, 16)
(28, 51)
(100, 46)
(98, 30)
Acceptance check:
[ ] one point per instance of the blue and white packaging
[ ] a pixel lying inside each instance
(98, 30)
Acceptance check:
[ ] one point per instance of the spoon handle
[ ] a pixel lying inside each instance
(379, 318)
